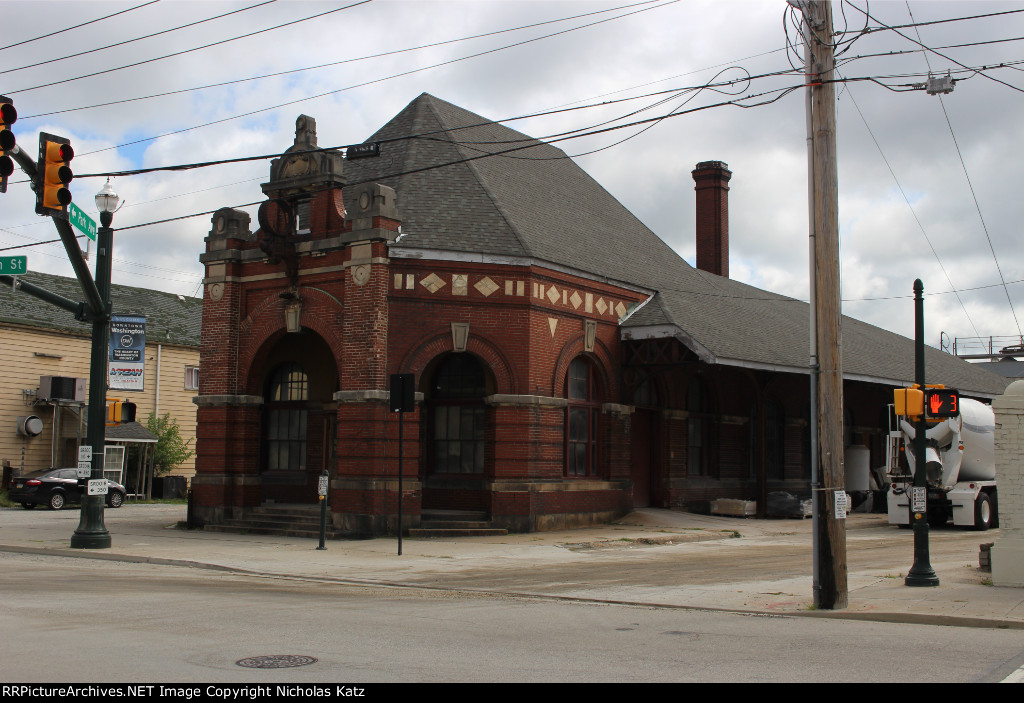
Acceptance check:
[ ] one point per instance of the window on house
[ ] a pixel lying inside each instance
(458, 416)
(191, 378)
(581, 419)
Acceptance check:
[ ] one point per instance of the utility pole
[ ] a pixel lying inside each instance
(828, 479)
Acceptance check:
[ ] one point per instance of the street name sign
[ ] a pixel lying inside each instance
(13, 265)
(85, 224)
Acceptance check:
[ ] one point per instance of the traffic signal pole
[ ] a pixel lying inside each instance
(921, 573)
(67, 237)
(92, 531)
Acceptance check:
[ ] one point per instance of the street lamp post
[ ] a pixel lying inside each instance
(92, 532)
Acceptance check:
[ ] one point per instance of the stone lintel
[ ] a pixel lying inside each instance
(206, 479)
(218, 401)
(409, 483)
(617, 409)
(675, 414)
(370, 395)
(553, 485)
(537, 401)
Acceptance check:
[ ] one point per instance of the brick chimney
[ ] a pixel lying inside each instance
(712, 179)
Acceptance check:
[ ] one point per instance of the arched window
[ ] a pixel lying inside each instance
(458, 424)
(581, 389)
(287, 396)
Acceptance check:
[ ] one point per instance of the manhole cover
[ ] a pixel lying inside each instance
(276, 661)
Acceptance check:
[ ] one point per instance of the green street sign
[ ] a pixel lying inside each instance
(13, 265)
(85, 224)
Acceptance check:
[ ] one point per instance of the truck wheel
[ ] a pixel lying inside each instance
(983, 512)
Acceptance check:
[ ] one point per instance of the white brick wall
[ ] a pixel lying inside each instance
(1008, 551)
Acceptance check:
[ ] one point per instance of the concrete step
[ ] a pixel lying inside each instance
(456, 532)
(278, 531)
(280, 519)
(455, 523)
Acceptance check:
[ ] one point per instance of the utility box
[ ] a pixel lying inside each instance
(61, 388)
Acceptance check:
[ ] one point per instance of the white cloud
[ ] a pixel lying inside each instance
(882, 244)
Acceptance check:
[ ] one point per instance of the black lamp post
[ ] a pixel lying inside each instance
(92, 532)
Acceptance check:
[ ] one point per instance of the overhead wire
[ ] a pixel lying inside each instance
(913, 212)
(188, 51)
(332, 63)
(572, 134)
(974, 195)
(267, 108)
(77, 26)
(130, 41)
(937, 53)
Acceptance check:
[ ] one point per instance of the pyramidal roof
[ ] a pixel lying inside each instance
(467, 185)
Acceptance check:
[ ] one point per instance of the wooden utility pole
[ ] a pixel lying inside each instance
(829, 480)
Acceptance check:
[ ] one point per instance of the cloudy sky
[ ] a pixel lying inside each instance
(929, 187)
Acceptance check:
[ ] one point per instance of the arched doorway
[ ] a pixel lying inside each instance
(455, 434)
(645, 433)
(298, 380)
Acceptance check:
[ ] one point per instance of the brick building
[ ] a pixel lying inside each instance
(569, 364)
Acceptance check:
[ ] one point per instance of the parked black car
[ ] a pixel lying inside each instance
(57, 488)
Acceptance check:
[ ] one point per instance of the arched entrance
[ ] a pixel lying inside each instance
(297, 378)
(455, 434)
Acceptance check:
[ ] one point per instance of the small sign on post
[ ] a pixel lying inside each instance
(97, 487)
(84, 461)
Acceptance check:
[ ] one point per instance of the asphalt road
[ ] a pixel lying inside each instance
(75, 619)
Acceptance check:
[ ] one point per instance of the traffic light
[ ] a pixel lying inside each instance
(909, 402)
(120, 412)
(127, 412)
(53, 175)
(8, 116)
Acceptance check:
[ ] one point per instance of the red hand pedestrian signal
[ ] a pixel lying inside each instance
(942, 402)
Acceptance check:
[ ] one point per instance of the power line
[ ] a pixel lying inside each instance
(187, 51)
(268, 108)
(147, 36)
(928, 48)
(83, 24)
(563, 136)
(974, 196)
(332, 63)
(911, 207)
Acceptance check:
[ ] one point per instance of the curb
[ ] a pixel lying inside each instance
(873, 616)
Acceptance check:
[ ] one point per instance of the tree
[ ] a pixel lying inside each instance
(171, 449)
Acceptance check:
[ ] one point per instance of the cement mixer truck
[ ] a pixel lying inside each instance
(959, 464)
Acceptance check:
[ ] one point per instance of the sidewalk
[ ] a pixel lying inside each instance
(650, 557)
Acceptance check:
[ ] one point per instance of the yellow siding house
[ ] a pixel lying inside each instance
(44, 370)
